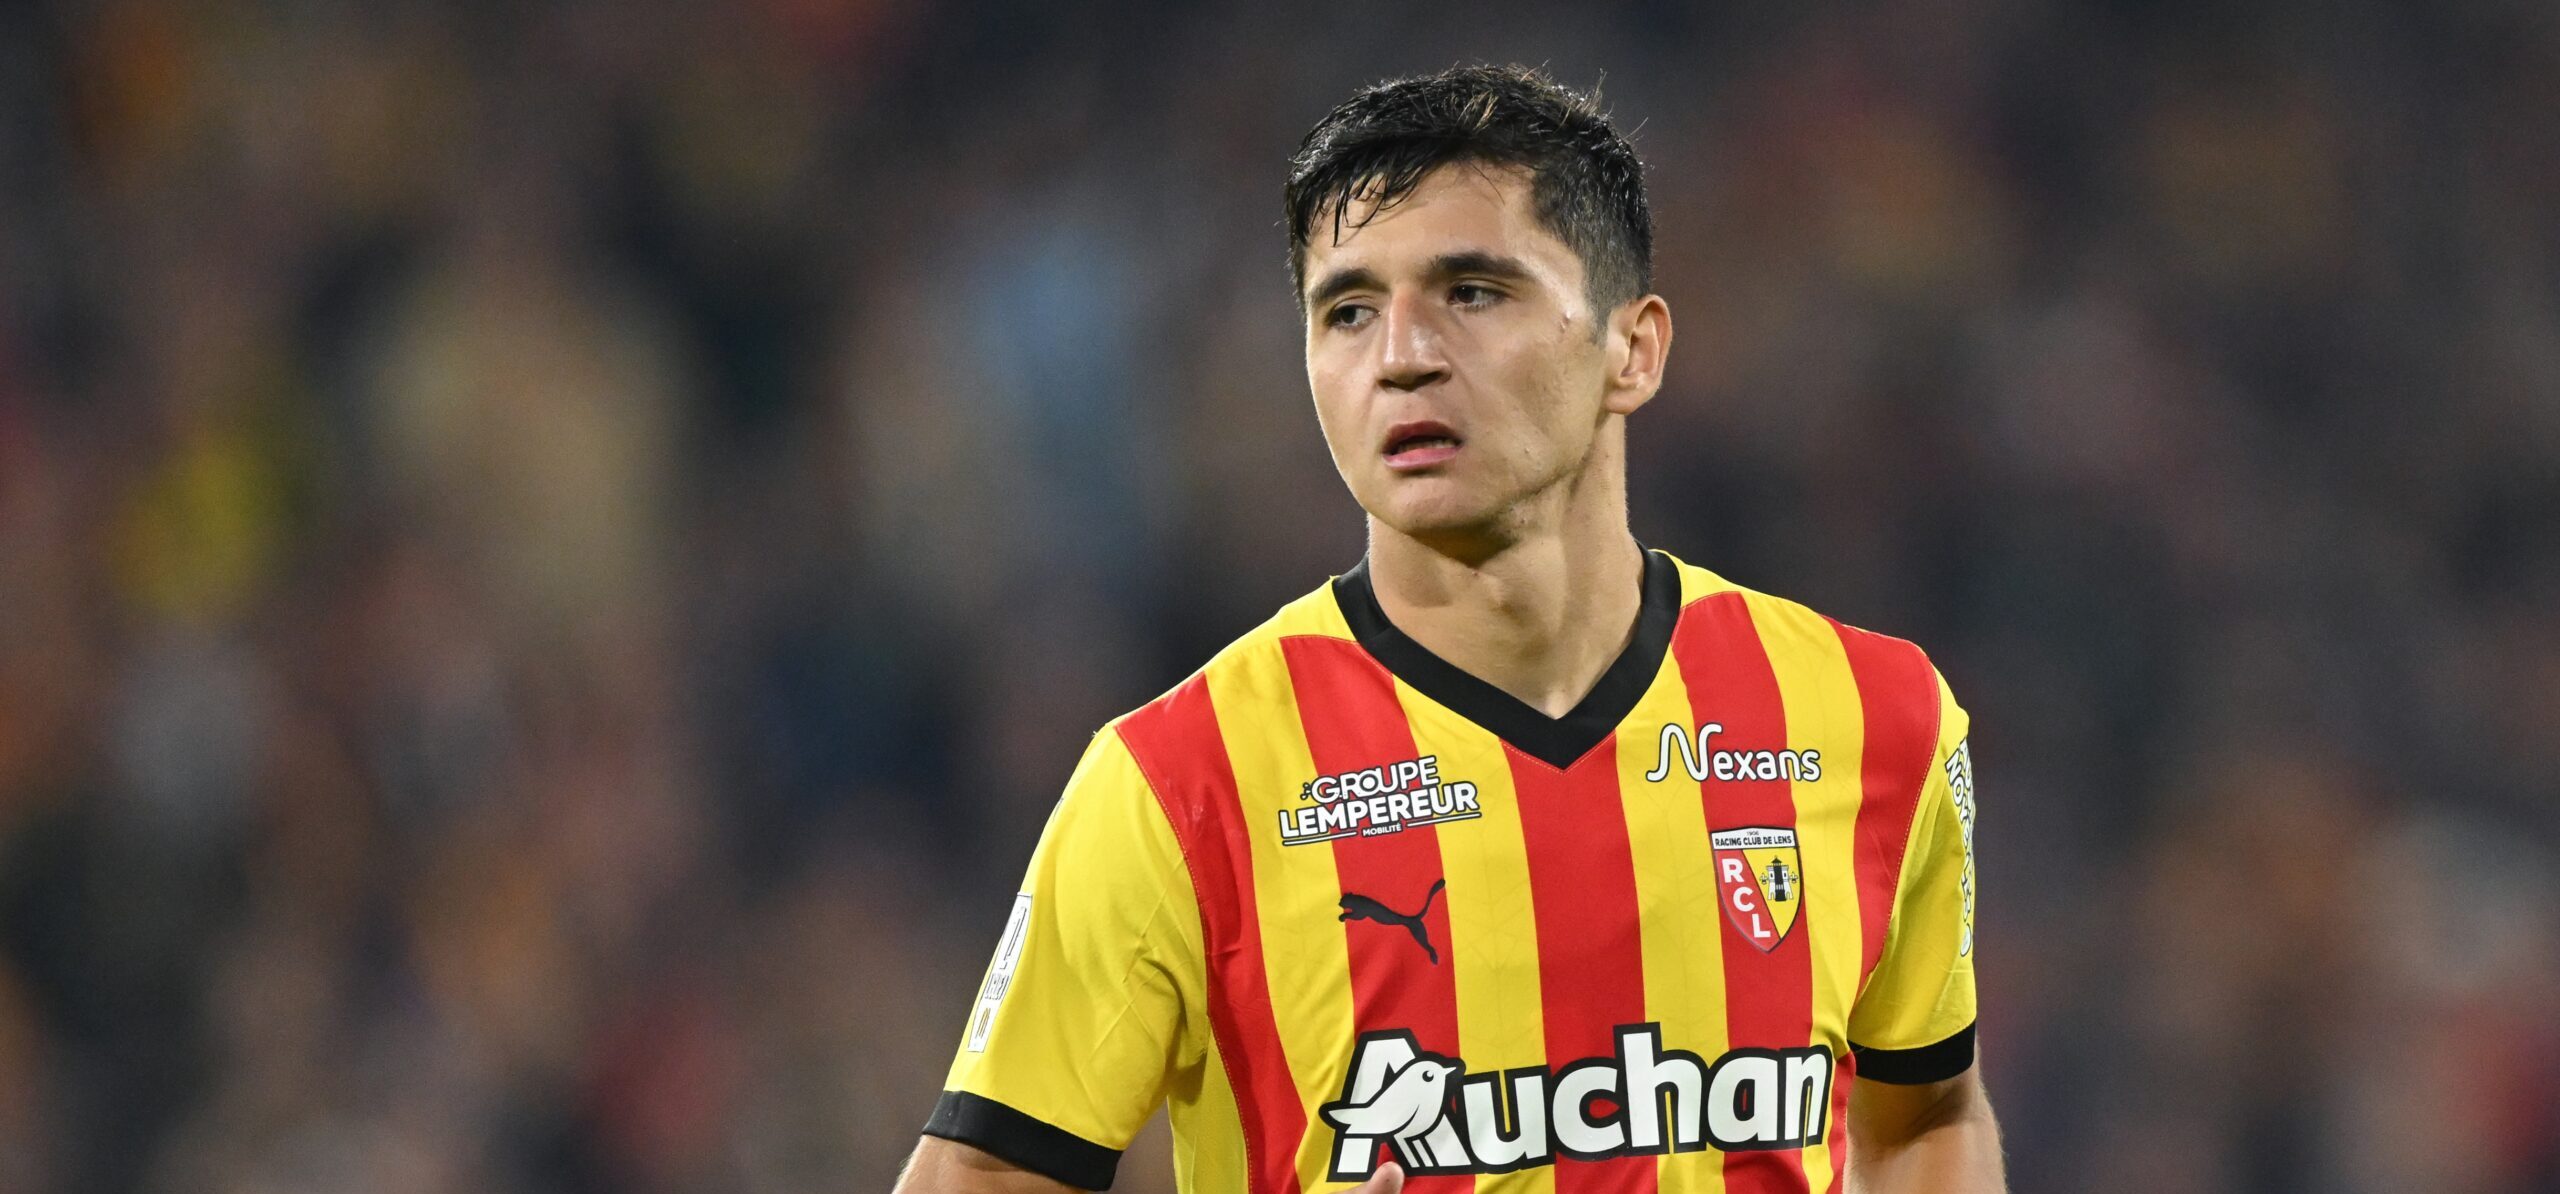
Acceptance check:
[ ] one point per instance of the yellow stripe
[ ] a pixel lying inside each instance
(1306, 965)
(1696, 582)
(1821, 700)
(1208, 1140)
(1676, 901)
(1493, 929)
(1316, 614)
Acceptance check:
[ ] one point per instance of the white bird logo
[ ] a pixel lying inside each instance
(1409, 1105)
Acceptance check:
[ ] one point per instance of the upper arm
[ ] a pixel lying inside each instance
(1884, 1115)
(1913, 1022)
(1081, 1023)
(949, 1167)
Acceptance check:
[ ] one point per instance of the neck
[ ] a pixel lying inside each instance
(1539, 612)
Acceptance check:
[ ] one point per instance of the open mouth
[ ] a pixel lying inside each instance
(1420, 444)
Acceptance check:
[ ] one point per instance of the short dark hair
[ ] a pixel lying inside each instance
(1586, 183)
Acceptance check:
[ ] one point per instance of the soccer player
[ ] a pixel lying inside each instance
(1518, 857)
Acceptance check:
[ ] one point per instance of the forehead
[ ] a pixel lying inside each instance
(1464, 207)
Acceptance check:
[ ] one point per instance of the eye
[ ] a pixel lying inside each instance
(1472, 294)
(1348, 315)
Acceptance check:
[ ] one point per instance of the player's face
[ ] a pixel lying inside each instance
(1453, 356)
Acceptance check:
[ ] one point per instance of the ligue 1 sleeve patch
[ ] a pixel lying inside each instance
(1760, 878)
(1000, 973)
(1960, 788)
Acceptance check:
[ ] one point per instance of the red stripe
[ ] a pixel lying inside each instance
(1582, 884)
(1353, 720)
(1179, 745)
(1768, 996)
(1898, 700)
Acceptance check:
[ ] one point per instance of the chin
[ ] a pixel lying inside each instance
(1432, 509)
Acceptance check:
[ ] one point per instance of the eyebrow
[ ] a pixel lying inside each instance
(1335, 284)
(1441, 268)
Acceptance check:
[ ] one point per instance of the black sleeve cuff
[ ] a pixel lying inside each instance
(1011, 1136)
(1917, 1067)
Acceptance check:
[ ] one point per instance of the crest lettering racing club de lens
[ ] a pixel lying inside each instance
(1760, 882)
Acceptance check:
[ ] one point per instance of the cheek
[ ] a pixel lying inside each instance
(1335, 413)
(1558, 405)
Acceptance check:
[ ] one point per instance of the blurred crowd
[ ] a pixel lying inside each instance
(553, 557)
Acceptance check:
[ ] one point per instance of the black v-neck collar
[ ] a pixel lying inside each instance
(1555, 741)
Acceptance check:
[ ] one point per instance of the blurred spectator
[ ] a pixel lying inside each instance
(553, 559)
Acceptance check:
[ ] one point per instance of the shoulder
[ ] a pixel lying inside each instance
(1245, 684)
(1898, 688)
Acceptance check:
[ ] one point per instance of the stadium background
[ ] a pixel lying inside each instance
(553, 557)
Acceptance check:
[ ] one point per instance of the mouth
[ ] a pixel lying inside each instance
(1420, 444)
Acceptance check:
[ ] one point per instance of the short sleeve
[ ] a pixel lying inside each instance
(1914, 1022)
(1079, 1025)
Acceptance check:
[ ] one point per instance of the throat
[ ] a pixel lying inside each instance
(1554, 681)
(1555, 697)
(1541, 631)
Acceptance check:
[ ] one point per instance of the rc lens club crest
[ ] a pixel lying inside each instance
(1760, 882)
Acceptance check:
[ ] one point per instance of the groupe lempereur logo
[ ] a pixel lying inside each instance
(1369, 801)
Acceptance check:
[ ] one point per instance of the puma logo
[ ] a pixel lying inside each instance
(1359, 907)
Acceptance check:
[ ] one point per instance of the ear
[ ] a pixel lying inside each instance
(1639, 343)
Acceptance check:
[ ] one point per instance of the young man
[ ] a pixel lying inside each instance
(1519, 856)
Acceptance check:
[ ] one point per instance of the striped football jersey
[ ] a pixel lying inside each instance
(1335, 900)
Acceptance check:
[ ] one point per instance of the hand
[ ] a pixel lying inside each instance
(1387, 1180)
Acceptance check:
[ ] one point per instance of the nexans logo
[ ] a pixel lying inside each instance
(1642, 1099)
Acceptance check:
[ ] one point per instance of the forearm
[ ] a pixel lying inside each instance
(1945, 1141)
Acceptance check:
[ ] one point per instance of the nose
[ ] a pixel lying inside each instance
(1409, 354)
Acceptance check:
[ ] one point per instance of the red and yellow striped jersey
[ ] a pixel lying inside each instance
(1336, 900)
